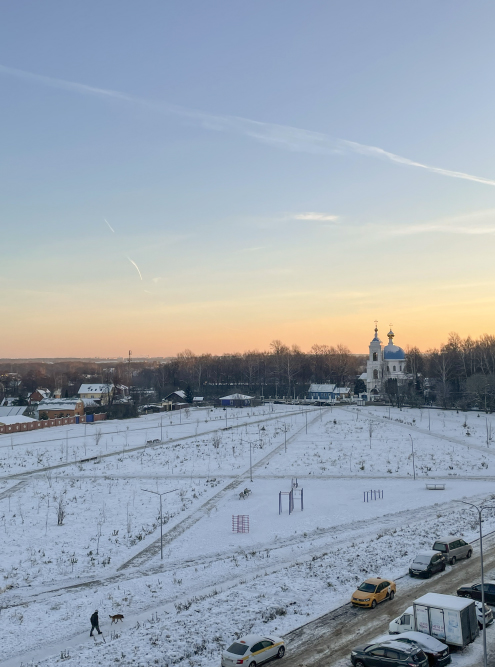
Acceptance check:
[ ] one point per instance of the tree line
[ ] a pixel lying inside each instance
(460, 373)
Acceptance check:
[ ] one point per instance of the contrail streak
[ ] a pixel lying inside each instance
(109, 225)
(137, 267)
(282, 136)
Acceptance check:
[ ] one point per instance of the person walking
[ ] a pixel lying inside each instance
(95, 623)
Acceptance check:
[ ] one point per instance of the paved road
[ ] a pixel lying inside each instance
(330, 638)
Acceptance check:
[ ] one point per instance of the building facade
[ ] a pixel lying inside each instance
(384, 363)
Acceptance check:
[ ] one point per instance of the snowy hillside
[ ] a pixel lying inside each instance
(213, 584)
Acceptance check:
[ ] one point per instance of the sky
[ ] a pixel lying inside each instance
(217, 175)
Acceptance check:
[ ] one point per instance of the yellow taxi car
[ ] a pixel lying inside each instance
(372, 591)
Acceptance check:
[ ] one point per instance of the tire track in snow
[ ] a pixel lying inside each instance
(13, 489)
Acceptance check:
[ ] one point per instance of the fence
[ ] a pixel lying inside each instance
(372, 495)
(49, 423)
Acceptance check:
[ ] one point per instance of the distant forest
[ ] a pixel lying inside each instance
(460, 373)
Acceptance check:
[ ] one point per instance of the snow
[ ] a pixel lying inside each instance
(214, 585)
(443, 601)
(422, 639)
(18, 419)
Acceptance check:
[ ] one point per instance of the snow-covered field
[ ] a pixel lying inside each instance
(213, 584)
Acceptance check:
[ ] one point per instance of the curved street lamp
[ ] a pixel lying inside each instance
(480, 509)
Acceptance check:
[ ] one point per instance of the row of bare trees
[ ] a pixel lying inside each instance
(459, 373)
(282, 370)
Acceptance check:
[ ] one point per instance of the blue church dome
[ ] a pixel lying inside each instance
(392, 351)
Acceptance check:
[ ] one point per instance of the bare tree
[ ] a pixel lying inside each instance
(61, 510)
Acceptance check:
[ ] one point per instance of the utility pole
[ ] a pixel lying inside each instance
(161, 515)
(306, 422)
(480, 509)
(129, 374)
(250, 463)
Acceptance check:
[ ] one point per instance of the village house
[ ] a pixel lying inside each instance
(39, 395)
(51, 408)
(101, 394)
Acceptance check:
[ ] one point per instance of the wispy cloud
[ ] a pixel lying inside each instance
(472, 224)
(319, 217)
(281, 136)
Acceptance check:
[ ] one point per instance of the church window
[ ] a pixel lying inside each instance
(375, 356)
(388, 367)
(375, 374)
(394, 368)
(400, 367)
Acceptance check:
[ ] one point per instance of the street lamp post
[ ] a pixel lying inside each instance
(250, 463)
(412, 446)
(480, 509)
(161, 519)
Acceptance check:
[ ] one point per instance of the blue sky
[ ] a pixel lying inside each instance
(228, 147)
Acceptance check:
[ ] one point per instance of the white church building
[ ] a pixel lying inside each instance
(384, 363)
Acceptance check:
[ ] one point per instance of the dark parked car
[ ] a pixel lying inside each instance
(474, 592)
(388, 653)
(427, 563)
(438, 654)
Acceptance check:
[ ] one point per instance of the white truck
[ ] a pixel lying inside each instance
(448, 618)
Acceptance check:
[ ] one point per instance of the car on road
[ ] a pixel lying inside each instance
(453, 548)
(437, 652)
(479, 614)
(385, 654)
(474, 592)
(253, 650)
(426, 563)
(373, 591)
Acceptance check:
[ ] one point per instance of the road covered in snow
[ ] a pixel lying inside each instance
(214, 585)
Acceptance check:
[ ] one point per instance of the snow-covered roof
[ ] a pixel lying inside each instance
(321, 387)
(16, 419)
(444, 601)
(10, 411)
(236, 397)
(9, 400)
(198, 399)
(89, 403)
(363, 376)
(59, 404)
(44, 393)
(341, 390)
(95, 388)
